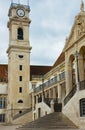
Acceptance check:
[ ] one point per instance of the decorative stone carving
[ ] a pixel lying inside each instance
(80, 27)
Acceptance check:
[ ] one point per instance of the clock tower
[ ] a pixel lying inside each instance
(18, 60)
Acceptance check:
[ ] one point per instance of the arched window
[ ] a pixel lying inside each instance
(20, 101)
(82, 107)
(20, 34)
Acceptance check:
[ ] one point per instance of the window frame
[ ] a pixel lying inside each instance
(20, 67)
(82, 107)
(20, 34)
(20, 89)
(2, 117)
(20, 78)
(20, 101)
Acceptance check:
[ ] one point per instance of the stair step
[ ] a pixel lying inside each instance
(52, 121)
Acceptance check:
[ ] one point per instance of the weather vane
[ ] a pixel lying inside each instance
(27, 2)
(11, 1)
(82, 6)
(18, 1)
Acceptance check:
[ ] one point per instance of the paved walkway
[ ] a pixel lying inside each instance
(13, 127)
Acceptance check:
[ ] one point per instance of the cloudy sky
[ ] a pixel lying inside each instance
(51, 24)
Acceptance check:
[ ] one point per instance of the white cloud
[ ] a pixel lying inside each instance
(51, 23)
(46, 51)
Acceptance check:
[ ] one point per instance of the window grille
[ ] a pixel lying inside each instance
(82, 107)
(2, 117)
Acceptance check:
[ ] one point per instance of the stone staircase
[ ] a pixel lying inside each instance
(52, 121)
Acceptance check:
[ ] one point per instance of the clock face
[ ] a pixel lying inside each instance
(20, 12)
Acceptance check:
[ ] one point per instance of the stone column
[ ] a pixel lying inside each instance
(59, 93)
(77, 70)
(33, 101)
(52, 106)
(42, 97)
(36, 99)
(81, 67)
(50, 93)
(2, 102)
(45, 94)
(68, 69)
(54, 92)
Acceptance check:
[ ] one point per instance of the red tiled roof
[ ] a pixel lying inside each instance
(60, 59)
(34, 70)
(39, 70)
(3, 73)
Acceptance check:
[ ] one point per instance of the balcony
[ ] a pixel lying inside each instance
(50, 82)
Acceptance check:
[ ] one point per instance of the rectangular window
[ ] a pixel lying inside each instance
(20, 89)
(2, 103)
(62, 75)
(20, 78)
(20, 67)
(82, 107)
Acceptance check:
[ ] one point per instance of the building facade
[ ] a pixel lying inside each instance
(28, 92)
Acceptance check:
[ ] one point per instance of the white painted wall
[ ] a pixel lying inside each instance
(45, 109)
(3, 88)
(72, 109)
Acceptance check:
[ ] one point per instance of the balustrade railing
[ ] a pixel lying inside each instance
(48, 100)
(70, 95)
(73, 91)
(49, 83)
(82, 85)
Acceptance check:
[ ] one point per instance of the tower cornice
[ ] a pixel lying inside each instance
(15, 47)
(16, 19)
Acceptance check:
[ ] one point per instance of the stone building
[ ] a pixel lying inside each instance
(28, 92)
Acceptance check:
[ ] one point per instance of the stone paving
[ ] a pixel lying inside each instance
(14, 127)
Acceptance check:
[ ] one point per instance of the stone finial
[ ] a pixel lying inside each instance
(11, 1)
(82, 6)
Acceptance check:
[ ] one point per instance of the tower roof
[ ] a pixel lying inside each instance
(15, 5)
